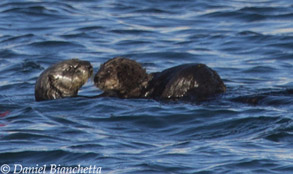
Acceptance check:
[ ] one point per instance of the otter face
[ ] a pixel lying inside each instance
(107, 76)
(63, 79)
(71, 74)
(121, 75)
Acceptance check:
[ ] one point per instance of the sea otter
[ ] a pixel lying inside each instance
(121, 77)
(125, 78)
(62, 79)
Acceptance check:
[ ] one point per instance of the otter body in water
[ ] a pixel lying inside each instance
(125, 78)
(187, 81)
(62, 79)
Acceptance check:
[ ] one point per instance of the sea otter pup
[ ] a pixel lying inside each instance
(125, 78)
(62, 79)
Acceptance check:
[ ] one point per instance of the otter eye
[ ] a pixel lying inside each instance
(109, 71)
(70, 68)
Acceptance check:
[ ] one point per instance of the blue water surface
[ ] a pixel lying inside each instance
(249, 43)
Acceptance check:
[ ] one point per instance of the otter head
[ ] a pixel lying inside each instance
(71, 74)
(63, 79)
(122, 77)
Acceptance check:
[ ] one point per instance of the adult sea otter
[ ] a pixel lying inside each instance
(125, 78)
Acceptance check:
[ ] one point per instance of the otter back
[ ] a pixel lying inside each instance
(189, 81)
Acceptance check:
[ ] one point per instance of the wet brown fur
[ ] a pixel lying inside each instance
(125, 78)
(122, 77)
(62, 79)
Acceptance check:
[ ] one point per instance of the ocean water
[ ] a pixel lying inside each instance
(249, 43)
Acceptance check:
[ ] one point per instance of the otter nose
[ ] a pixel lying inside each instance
(90, 68)
(96, 79)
